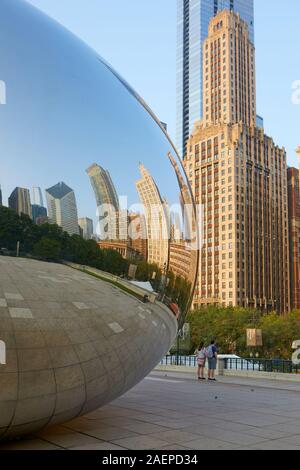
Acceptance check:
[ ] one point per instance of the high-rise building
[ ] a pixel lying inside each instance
(102, 184)
(294, 231)
(239, 177)
(86, 226)
(137, 234)
(37, 197)
(156, 215)
(62, 208)
(107, 201)
(39, 213)
(193, 18)
(19, 200)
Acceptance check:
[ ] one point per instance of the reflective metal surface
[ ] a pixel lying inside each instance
(80, 149)
(69, 118)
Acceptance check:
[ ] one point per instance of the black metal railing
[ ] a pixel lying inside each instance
(262, 365)
(175, 360)
(238, 364)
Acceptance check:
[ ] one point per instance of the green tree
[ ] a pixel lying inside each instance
(227, 325)
(47, 249)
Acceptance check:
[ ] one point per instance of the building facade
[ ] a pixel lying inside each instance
(156, 216)
(137, 234)
(19, 201)
(294, 232)
(39, 213)
(62, 208)
(102, 184)
(86, 227)
(181, 260)
(107, 201)
(37, 197)
(193, 18)
(239, 178)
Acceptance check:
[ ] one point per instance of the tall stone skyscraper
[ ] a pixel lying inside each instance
(239, 177)
(294, 231)
(193, 18)
(19, 200)
(62, 208)
(156, 215)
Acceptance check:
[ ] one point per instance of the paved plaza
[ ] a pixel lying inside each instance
(175, 412)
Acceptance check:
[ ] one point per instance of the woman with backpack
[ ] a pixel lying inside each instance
(212, 357)
(201, 360)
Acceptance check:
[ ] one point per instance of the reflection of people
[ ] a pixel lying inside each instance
(201, 360)
(212, 357)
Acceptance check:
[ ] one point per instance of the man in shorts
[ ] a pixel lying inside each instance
(212, 357)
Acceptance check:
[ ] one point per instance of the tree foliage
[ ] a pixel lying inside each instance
(228, 326)
(50, 243)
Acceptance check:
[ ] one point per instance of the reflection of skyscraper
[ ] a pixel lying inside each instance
(103, 186)
(138, 234)
(107, 202)
(193, 20)
(189, 225)
(86, 226)
(156, 219)
(39, 213)
(62, 208)
(183, 260)
(19, 200)
(37, 197)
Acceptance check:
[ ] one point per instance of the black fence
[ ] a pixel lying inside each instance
(262, 365)
(238, 364)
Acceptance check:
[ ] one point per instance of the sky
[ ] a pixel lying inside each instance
(138, 37)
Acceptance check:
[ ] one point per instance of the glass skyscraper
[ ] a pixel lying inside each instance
(37, 197)
(193, 18)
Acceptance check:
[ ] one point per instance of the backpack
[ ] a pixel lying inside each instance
(201, 354)
(209, 352)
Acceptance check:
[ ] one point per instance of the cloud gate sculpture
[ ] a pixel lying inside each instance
(82, 156)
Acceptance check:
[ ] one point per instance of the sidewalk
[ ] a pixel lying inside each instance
(234, 380)
(174, 411)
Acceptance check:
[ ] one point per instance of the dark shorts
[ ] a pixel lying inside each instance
(212, 363)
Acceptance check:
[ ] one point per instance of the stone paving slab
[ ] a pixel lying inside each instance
(179, 413)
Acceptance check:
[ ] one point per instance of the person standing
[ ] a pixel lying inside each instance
(201, 360)
(212, 357)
